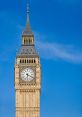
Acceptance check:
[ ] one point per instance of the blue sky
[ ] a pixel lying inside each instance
(57, 25)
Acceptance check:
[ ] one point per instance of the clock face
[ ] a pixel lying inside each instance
(27, 74)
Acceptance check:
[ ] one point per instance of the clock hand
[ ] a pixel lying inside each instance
(27, 76)
(31, 76)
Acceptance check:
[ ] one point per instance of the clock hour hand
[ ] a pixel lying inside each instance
(27, 76)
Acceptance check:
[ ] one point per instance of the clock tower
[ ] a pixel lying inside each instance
(27, 75)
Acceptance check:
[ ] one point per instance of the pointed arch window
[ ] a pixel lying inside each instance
(34, 61)
(29, 41)
(25, 61)
(20, 61)
(24, 41)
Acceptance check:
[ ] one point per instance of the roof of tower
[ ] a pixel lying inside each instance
(28, 30)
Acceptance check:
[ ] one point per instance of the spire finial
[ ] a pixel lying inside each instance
(28, 11)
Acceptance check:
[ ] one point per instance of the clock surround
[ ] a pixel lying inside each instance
(27, 75)
(32, 82)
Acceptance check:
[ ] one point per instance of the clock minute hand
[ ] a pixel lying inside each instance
(31, 76)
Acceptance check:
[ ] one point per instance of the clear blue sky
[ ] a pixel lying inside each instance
(57, 25)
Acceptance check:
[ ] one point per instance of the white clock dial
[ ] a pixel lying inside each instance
(27, 74)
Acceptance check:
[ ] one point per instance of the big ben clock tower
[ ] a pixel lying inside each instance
(27, 76)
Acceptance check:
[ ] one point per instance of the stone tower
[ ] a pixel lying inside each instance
(27, 75)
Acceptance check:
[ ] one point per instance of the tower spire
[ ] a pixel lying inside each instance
(27, 30)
